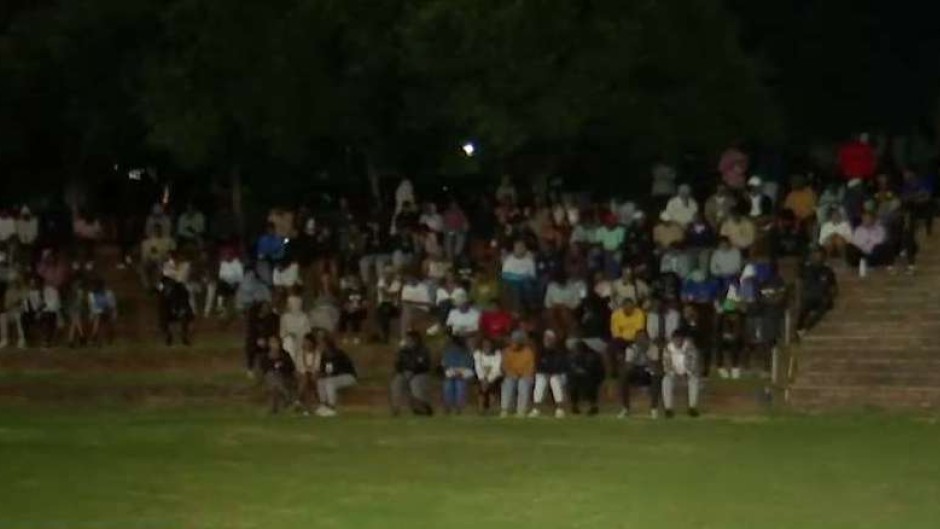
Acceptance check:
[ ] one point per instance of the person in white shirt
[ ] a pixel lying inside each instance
(404, 193)
(294, 325)
(286, 276)
(7, 227)
(518, 274)
(445, 301)
(431, 219)
(835, 234)
(388, 301)
(488, 365)
(464, 319)
(682, 207)
(230, 276)
(415, 299)
(49, 317)
(680, 361)
(27, 228)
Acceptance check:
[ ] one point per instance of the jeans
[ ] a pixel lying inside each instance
(516, 390)
(519, 293)
(669, 383)
(454, 242)
(557, 384)
(412, 390)
(455, 393)
(328, 387)
(372, 264)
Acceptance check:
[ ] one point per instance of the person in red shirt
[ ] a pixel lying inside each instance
(857, 159)
(496, 323)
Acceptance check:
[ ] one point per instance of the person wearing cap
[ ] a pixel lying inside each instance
(740, 230)
(586, 374)
(758, 203)
(488, 366)
(518, 374)
(680, 363)
(667, 232)
(682, 207)
(464, 319)
(642, 367)
(551, 368)
(625, 323)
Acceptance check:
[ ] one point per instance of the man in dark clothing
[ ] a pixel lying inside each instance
(819, 289)
(173, 308)
(551, 365)
(279, 375)
(641, 367)
(262, 322)
(587, 374)
(336, 372)
(412, 380)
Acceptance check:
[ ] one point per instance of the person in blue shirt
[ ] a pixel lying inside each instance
(270, 249)
(457, 363)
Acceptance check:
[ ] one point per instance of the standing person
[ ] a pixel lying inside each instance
(27, 231)
(587, 375)
(337, 372)
(261, 322)
(388, 298)
(352, 309)
(102, 305)
(488, 365)
(642, 368)
(411, 382)
(458, 369)
(279, 375)
(518, 372)
(51, 313)
(680, 361)
(11, 311)
(551, 368)
(456, 228)
(77, 300)
(174, 307)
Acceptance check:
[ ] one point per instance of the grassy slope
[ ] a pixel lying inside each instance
(236, 468)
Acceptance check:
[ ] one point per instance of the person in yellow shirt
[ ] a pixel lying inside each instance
(518, 374)
(802, 201)
(625, 323)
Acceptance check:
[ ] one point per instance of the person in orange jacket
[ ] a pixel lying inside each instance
(518, 374)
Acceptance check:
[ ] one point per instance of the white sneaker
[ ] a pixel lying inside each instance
(325, 411)
(736, 373)
(723, 372)
(433, 330)
(654, 414)
(624, 413)
(534, 413)
(503, 414)
(559, 413)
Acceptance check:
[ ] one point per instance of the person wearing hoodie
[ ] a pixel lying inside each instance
(551, 368)
(411, 383)
(680, 362)
(641, 368)
(518, 373)
(586, 374)
(488, 365)
(458, 366)
(336, 373)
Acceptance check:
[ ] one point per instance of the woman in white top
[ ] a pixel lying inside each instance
(49, 318)
(835, 234)
(295, 324)
(488, 365)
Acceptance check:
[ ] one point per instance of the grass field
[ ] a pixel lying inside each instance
(237, 468)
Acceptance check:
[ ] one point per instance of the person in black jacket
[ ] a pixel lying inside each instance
(336, 372)
(819, 290)
(173, 308)
(642, 367)
(261, 322)
(412, 380)
(551, 368)
(586, 375)
(280, 377)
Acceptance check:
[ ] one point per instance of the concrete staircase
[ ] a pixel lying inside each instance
(880, 346)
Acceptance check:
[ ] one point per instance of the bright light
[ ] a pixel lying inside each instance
(469, 149)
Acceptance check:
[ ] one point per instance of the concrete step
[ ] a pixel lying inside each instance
(817, 398)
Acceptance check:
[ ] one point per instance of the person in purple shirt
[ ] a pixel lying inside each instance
(869, 242)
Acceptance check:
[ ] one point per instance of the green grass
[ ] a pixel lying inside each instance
(217, 468)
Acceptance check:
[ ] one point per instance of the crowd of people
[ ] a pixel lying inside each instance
(532, 298)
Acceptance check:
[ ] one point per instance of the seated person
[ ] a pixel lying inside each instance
(463, 320)
(102, 306)
(336, 373)
(488, 365)
(457, 363)
(352, 308)
(551, 368)
(835, 234)
(869, 242)
(279, 375)
(726, 261)
(642, 368)
(625, 323)
(819, 290)
(411, 382)
(586, 376)
(562, 299)
(415, 300)
(154, 251)
(444, 302)
(680, 361)
(518, 374)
